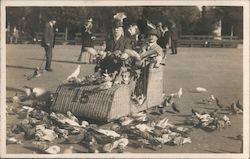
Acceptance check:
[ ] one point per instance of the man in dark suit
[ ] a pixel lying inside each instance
(48, 42)
(115, 46)
(174, 38)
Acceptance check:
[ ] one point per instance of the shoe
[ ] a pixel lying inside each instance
(48, 69)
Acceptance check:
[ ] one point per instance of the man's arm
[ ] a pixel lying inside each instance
(46, 34)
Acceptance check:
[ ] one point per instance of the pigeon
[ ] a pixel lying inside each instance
(218, 103)
(15, 98)
(68, 150)
(53, 150)
(35, 74)
(74, 76)
(238, 105)
(72, 117)
(34, 93)
(167, 101)
(235, 109)
(195, 112)
(200, 89)
(214, 113)
(11, 140)
(175, 107)
(177, 94)
(120, 16)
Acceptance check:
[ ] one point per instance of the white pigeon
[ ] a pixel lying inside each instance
(120, 16)
(177, 94)
(15, 98)
(200, 89)
(34, 92)
(212, 97)
(75, 74)
(53, 150)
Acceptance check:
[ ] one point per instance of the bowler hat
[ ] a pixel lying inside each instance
(155, 32)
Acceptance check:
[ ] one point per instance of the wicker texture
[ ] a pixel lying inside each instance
(101, 105)
(155, 86)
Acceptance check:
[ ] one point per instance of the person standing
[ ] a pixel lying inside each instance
(48, 42)
(174, 38)
(87, 42)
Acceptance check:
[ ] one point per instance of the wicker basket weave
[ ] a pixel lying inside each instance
(101, 105)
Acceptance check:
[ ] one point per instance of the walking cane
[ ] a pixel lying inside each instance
(36, 73)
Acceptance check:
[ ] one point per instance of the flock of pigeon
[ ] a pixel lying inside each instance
(45, 131)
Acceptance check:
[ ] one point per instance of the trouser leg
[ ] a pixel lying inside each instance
(48, 51)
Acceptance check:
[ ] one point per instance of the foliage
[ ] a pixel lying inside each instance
(187, 18)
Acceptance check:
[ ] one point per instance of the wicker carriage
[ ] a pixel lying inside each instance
(110, 104)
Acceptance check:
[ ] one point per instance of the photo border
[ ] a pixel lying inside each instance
(77, 3)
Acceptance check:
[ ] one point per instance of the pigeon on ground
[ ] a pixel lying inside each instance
(177, 94)
(175, 107)
(214, 113)
(36, 73)
(34, 93)
(238, 105)
(218, 103)
(235, 109)
(53, 150)
(200, 89)
(195, 112)
(15, 98)
(74, 76)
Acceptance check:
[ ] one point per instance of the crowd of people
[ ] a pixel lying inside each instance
(124, 50)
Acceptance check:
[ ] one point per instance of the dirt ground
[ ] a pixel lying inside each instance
(218, 70)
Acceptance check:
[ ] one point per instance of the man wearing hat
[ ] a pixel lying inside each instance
(152, 49)
(87, 42)
(115, 46)
(48, 42)
(174, 38)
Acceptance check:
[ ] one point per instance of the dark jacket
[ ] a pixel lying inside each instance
(174, 33)
(111, 63)
(164, 40)
(48, 35)
(121, 44)
(86, 38)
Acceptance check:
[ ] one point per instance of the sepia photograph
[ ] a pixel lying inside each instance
(124, 79)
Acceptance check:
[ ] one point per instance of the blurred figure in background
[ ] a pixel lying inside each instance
(15, 36)
(87, 49)
(174, 38)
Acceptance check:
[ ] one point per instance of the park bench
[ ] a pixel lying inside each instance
(208, 41)
(100, 37)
